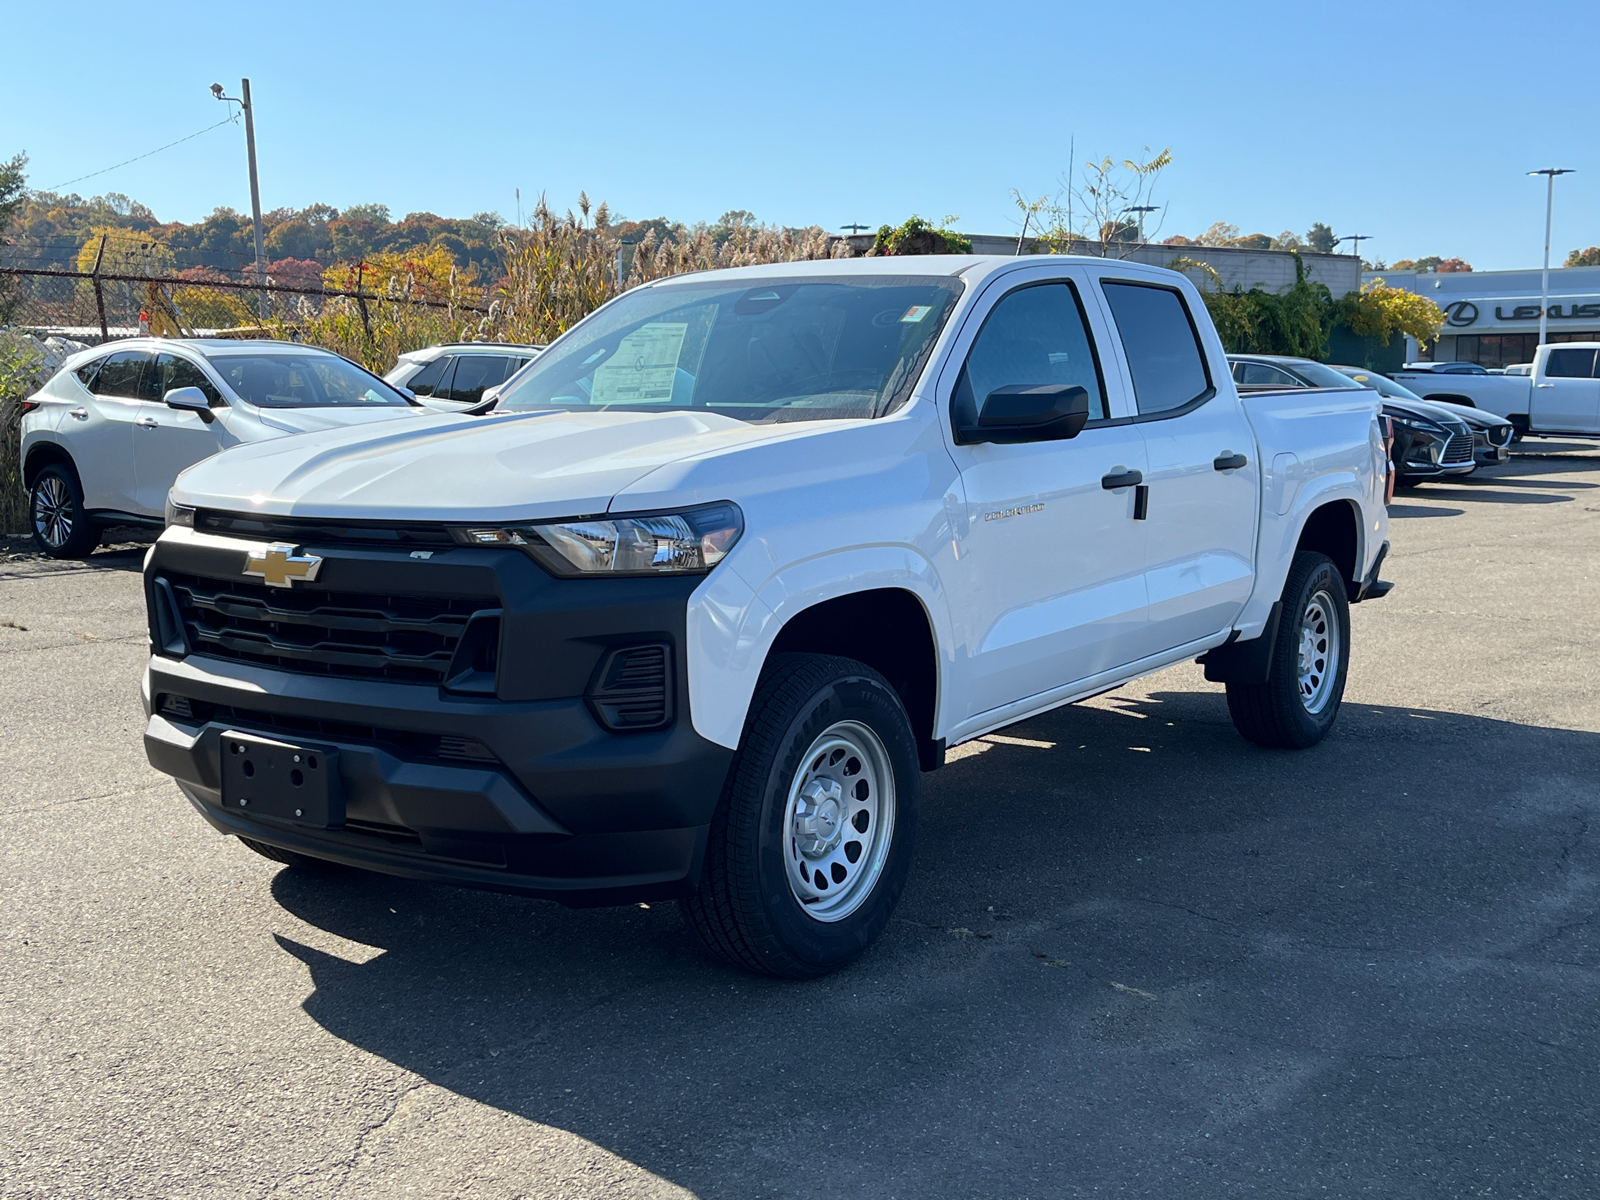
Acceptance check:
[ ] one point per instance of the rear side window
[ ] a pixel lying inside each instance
(474, 372)
(1570, 364)
(179, 372)
(426, 380)
(86, 373)
(1162, 346)
(119, 376)
(1036, 335)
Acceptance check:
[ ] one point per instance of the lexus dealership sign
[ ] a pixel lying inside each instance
(1516, 312)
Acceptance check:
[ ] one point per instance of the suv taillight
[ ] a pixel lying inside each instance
(29, 405)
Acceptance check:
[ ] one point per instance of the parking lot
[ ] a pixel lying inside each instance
(1138, 956)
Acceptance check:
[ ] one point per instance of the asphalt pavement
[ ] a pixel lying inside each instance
(1137, 955)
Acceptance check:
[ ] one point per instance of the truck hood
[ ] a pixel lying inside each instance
(500, 467)
(309, 420)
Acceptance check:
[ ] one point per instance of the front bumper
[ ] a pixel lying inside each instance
(550, 803)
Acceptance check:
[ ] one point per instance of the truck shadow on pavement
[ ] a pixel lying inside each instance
(1133, 947)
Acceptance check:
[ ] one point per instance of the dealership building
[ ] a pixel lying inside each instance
(1492, 317)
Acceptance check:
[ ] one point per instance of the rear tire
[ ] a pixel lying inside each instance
(300, 862)
(811, 843)
(61, 526)
(1299, 702)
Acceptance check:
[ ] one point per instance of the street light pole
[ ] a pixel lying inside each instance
(1550, 174)
(243, 102)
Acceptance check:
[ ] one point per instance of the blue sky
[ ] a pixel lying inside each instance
(1411, 122)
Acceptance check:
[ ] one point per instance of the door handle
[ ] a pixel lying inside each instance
(1229, 462)
(81, 414)
(1121, 479)
(148, 423)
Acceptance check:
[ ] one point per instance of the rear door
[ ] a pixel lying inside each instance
(1204, 483)
(1567, 397)
(99, 434)
(167, 440)
(1052, 587)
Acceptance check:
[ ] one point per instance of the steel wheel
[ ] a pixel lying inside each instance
(52, 511)
(839, 821)
(1318, 661)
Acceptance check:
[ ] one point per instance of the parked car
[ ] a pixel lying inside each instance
(1491, 434)
(1428, 443)
(686, 613)
(104, 438)
(1560, 397)
(458, 374)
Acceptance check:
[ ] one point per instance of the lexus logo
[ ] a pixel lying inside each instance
(279, 566)
(1461, 313)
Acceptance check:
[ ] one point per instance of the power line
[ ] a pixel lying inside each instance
(229, 120)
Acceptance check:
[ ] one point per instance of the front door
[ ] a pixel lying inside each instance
(1052, 559)
(168, 440)
(1567, 398)
(1204, 480)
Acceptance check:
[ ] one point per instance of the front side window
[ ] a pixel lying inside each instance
(176, 372)
(1034, 337)
(1163, 349)
(786, 350)
(304, 381)
(474, 373)
(1570, 364)
(1251, 374)
(119, 376)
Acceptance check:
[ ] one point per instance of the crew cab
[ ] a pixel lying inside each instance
(104, 438)
(686, 612)
(1559, 396)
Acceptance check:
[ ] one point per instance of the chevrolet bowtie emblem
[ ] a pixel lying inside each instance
(280, 566)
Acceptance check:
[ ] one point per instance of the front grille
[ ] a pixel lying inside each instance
(351, 635)
(301, 530)
(422, 747)
(1457, 450)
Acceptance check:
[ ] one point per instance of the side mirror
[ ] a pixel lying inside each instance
(1024, 413)
(405, 391)
(189, 399)
(485, 402)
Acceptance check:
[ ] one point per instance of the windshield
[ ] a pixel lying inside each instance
(304, 381)
(788, 350)
(1381, 384)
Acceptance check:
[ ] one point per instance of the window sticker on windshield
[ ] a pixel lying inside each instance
(915, 313)
(643, 368)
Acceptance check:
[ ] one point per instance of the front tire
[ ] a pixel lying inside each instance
(1299, 702)
(811, 844)
(60, 524)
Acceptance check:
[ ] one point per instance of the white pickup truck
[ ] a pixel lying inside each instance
(731, 562)
(1560, 396)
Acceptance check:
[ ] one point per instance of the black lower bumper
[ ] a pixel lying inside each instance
(558, 807)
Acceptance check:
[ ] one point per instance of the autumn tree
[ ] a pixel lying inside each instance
(13, 190)
(1584, 258)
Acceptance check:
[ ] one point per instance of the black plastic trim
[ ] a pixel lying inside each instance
(1245, 662)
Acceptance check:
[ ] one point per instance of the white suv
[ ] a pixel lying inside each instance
(103, 440)
(459, 373)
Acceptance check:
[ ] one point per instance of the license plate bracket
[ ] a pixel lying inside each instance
(281, 781)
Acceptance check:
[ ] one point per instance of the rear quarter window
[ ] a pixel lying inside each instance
(1161, 344)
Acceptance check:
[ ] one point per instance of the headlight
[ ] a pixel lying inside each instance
(689, 542)
(1422, 424)
(179, 514)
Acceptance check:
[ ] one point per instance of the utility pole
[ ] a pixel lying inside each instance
(1357, 238)
(243, 102)
(1550, 174)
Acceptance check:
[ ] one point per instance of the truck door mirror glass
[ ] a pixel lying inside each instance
(1021, 413)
